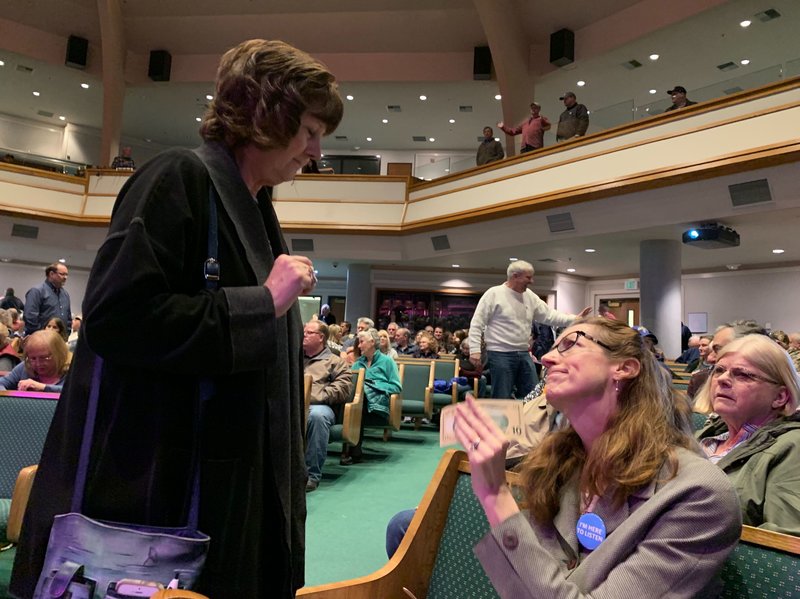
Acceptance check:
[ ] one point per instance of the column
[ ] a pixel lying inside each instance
(510, 48)
(359, 293)
(113, 49)
(660, 292)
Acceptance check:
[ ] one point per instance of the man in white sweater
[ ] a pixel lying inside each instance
(504, 317)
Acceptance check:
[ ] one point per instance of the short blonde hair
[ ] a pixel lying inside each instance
(54, 343)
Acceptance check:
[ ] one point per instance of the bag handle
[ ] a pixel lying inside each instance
(206, 390)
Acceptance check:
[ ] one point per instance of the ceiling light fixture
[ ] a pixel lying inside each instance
(590, 250)
(369, 139)
(423, 98)
(498, 97)
(745, 23)
(349, 97)
(431, 139)
(377, 155)
(62, 118)
(745, 61)
(513, 259)
(357, 148)
(778, 251)
(652, 91)
(2, 63)
(209, 97)
(384, 121)
(85, 85)
(198, 119)
(570, 270)
(37, 94)
(456, 265)
(654, 57)
(452, 121)
(581, 83)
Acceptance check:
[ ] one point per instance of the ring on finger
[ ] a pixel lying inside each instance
(474, 445)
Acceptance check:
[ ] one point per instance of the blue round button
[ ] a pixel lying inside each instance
(591, 531)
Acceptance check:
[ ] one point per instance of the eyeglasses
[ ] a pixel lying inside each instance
(740, 375)
(38, 359)
(567, 341)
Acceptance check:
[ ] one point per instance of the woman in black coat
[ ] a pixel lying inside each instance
(147, 289)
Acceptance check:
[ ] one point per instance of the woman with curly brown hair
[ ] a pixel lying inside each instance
(619, 497)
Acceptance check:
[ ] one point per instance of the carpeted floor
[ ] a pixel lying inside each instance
(348, 513)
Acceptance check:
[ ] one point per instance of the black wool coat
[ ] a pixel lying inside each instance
(159, 331)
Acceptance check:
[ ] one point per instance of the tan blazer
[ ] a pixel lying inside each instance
(668, 540)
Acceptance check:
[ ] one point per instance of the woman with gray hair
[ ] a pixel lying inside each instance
(381, 380)
(754, 432)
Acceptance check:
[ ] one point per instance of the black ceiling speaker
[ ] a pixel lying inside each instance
(160, 65)
(562, 47)
(77, 51)
(482, 64)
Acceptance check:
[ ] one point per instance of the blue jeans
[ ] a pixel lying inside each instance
(320, 420)
(510, 371)
(396, 530)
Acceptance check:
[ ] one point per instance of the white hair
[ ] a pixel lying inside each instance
(518, 266)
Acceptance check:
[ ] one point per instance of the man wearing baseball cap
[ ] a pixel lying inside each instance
(679, 99)
(574, 121)
(532, 129)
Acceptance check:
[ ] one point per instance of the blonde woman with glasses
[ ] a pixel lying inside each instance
(43, 367)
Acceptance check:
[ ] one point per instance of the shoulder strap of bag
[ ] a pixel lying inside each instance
(206, 389)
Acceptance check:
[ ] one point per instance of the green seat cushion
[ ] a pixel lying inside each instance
(442, 399)
(457, 574)
(5, 508)
(759, 573)
(6, 563)
(413, 407)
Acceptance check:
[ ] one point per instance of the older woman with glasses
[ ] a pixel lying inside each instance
(618, 498)
(754, 433)
(43, 367)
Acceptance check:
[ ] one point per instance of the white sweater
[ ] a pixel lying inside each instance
(504, 317)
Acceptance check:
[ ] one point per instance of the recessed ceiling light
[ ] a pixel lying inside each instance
(590, 250)
(209, 97)
(148, 140)
(447, 170)
(369, 139)
(513, 259)
(497, 139)
(456, 265)
(198, 119)
(654, 57)
(431, 139)
(62, 260)
(62, 118)
(85, 85)
(498, 97)
(581, 83)
(37, 94)
(384, 121)
(2, 63)
(570, 270)
(349, 97)
(423, 98)
(652, 91)
(357, 148)
(778, 251)
(745, 61)
(745, 23)
(452, 121)
(377, 155)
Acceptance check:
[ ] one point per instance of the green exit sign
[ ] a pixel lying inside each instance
(632, 284)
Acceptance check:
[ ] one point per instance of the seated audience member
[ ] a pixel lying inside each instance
(679, 99)
(43, 366)
(331, 385)
(386, 345)
(754, 433)
(72, 340)
(381, 380)
(362, 324)
(794, 350)
(403, 336)
(346, 334)
(58, 326)
(124, 161)
(443, 339)
(467, 369)
(702, 354)
(692, 353)
(8, 355)
(391, 328)
(10, 300)
(624, 478)
(17, 324)
(335, 338)
(722, 336)
(427, 347)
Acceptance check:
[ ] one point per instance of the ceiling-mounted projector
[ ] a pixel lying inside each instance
(711, 236)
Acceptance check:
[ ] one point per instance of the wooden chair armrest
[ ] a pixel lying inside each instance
(429, 402)
(19, 501)
(351, 422)
(395, 411)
